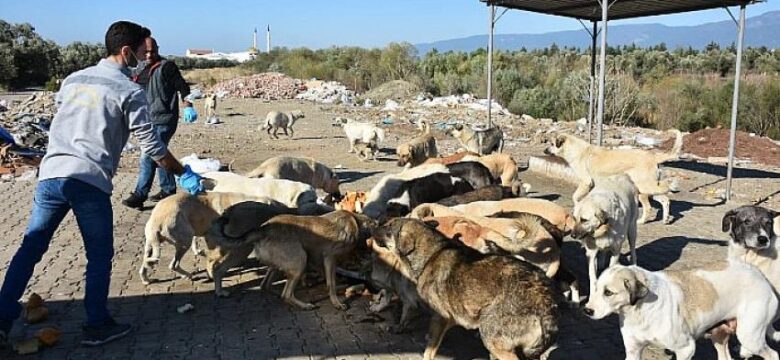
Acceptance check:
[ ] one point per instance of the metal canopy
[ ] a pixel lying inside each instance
(591, 9)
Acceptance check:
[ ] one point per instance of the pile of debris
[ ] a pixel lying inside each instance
(712, 145)
(331, 92)
(24, 134)
(265, 86)
(465, 101)
(397, 90)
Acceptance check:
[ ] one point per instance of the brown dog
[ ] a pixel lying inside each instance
(446, 160)
(554, 213)
(511, 302)
(353, 201)
(417, 150)
(288, 243)
(178, 218)
(501, 166)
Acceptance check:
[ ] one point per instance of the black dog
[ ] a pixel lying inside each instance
(473, 172)
(428, 189)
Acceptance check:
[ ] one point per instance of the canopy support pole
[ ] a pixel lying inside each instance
(602, 71)
(592, 91)
(735, 102)
(490, 66)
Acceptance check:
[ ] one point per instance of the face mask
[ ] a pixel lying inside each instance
(136, 68)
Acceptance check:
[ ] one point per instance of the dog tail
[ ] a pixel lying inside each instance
(673, 154)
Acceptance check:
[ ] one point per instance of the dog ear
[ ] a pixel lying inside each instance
(433, 224)
(208, 184)
(637, 290)
(602, 229)
(405, 245)
(458, 127)
(559, 140)
(728, 221)
(347, 225)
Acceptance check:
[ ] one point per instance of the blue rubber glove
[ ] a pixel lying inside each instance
(190, 115)
(190, 181)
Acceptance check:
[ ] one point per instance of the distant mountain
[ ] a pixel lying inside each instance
(760, 30)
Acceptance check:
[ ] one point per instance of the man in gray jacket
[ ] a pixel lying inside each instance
(162, 80)
(97, 108)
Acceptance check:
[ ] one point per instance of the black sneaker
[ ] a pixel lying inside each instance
(99, 335)
(134, 201)
(160, 195)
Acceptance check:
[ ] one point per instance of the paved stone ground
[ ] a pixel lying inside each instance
(254, 324)
(257, 325)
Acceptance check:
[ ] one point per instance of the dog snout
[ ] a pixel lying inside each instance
(587, 311)
(762, 240)
(547, 151)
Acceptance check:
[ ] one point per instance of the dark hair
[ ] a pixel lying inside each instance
(125, 33)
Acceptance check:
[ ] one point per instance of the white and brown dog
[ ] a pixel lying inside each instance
(605, 218)
(672, 309)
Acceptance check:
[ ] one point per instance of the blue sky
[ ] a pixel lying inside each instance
(227, 25)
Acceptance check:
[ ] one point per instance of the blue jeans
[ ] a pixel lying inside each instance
(92, 208)
(148, 167)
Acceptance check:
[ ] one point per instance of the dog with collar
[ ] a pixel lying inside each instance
(672, 309)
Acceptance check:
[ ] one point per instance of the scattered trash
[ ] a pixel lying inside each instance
(199, 165)
(354, 290)
(387, 121)
(330, 92)
(185, 308)
(28, 175)
(391, 105)
(35, 311)
(646, 140)
(213, 121)
(194, 95)
(368, 103)
(339, 167)
(380, 301)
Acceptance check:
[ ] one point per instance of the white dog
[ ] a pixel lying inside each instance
(604, 218)
(671, 309)
(211, 105)
(293, 194)
(360, 132)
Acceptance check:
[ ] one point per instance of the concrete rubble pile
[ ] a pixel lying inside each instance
(265, 86)
(462, 101)
(24, 134)
(331, 92)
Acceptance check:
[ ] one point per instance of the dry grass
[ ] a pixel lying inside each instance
(209, 77)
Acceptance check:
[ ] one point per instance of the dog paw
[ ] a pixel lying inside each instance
(641, 221)
(341, 306)
(308, 306)
(668, 220)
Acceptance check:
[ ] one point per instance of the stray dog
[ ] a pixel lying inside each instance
(305, 170)
(554, 213)
(426, 189)
(451, 159)
(388, 188)
(510, 301)
(237, 221)
(417, 150)
(672, 309)
(502, 166)
(367, 134)
(292, 194)
(284, 120)
(288, 243)
(473, 172)
(211, 105)
(366, 151)
(490, 192)
(755, 239)
(178, 218)
(591, 161)
(353, 201)
(481, 142)
(605, 218)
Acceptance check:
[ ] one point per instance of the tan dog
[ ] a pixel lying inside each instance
(554, 213)
(292, 194)
(591, 161)
(211, 105)
(417, 150)
(284, 120)
(178, 218)
(288, 243)
(446, 160)
(301, 169)
(501, 166)
(525, 238)
(353, 201)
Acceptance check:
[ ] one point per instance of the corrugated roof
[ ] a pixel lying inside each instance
(622, 9)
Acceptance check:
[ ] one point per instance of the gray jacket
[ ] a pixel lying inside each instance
(97, 108)
(161, 81)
